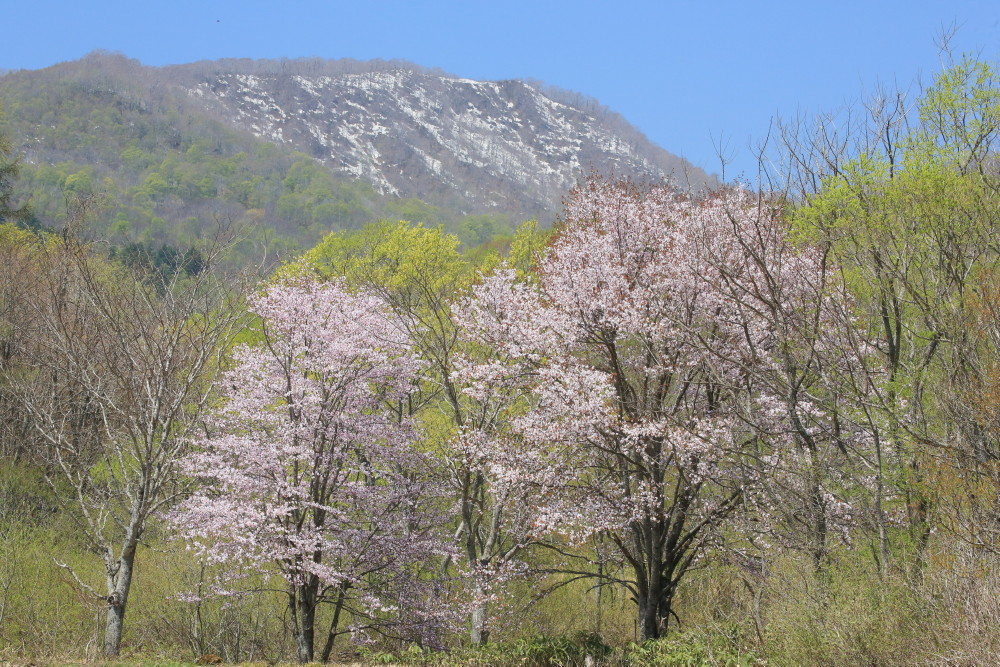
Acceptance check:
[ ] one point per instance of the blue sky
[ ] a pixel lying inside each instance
(691, 75)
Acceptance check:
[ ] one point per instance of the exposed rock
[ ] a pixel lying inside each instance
(481, 145)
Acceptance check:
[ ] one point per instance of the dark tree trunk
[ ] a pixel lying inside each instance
(655, 607)
(302, 604)
(660, 554)
(332, 635)
(648, 627)
(649, 540)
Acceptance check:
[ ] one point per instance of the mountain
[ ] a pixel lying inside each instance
(310, 146)
(482, 145)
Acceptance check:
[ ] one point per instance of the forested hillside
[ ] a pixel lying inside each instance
(740, 426)
(161, 172)
(160, 154)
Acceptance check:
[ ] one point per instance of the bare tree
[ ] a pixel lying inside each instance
(123, 366)
(903, 193)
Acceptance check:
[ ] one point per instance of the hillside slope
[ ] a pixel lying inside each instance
(301, 148)
(479, 145)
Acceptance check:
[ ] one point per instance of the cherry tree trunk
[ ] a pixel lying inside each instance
(817, 515)
(335, 623)
(303, 608)
(478, 635)
(659, 553)
(654, 611)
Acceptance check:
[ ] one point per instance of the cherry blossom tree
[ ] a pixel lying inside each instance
(418, 274)
(631, 359)
(309, 469)
(783, 324)
(496, 509)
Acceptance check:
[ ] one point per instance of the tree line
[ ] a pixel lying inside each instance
(398, 441)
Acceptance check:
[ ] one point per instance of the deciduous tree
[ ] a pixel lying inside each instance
(418, 274)
(120, 373)
(309, 468)
(634, 358)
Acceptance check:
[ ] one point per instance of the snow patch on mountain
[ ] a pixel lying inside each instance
(499, 144)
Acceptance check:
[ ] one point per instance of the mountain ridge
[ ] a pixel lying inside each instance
(406, 132)
(440, 130)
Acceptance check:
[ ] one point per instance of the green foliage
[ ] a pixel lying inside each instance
(848, 617)
(14, 237)
(162, 262)
(418, 271)
(475, 230)
(689, 649)
(542, 651)
(399, 257)
(9, 169)
(912, 222)
(46, 616)
(692, 649)
(960, 113)
(41, 607)
(526, 248)
(536, 651)
(141, 151)
(25, 497)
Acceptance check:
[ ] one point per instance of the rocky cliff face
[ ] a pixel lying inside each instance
(474, 145)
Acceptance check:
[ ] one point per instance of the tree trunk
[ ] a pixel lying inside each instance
(303, 605)
(113, 628)
(654, 610)
(478, 635)
(119, 583)
(654, 603)
(648, 627)
(335, 623)
(658, 548)
(817, 510)
(880, 519)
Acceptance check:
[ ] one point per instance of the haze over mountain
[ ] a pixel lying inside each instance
(387, 133)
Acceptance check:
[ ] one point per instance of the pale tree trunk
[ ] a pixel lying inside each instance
(483, 546)
(880, 519)
(118, 570)
(119, 583)
(119, 579)
(478, 634)
(475, 553)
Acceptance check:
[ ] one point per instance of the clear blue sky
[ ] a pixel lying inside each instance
(686, 73)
